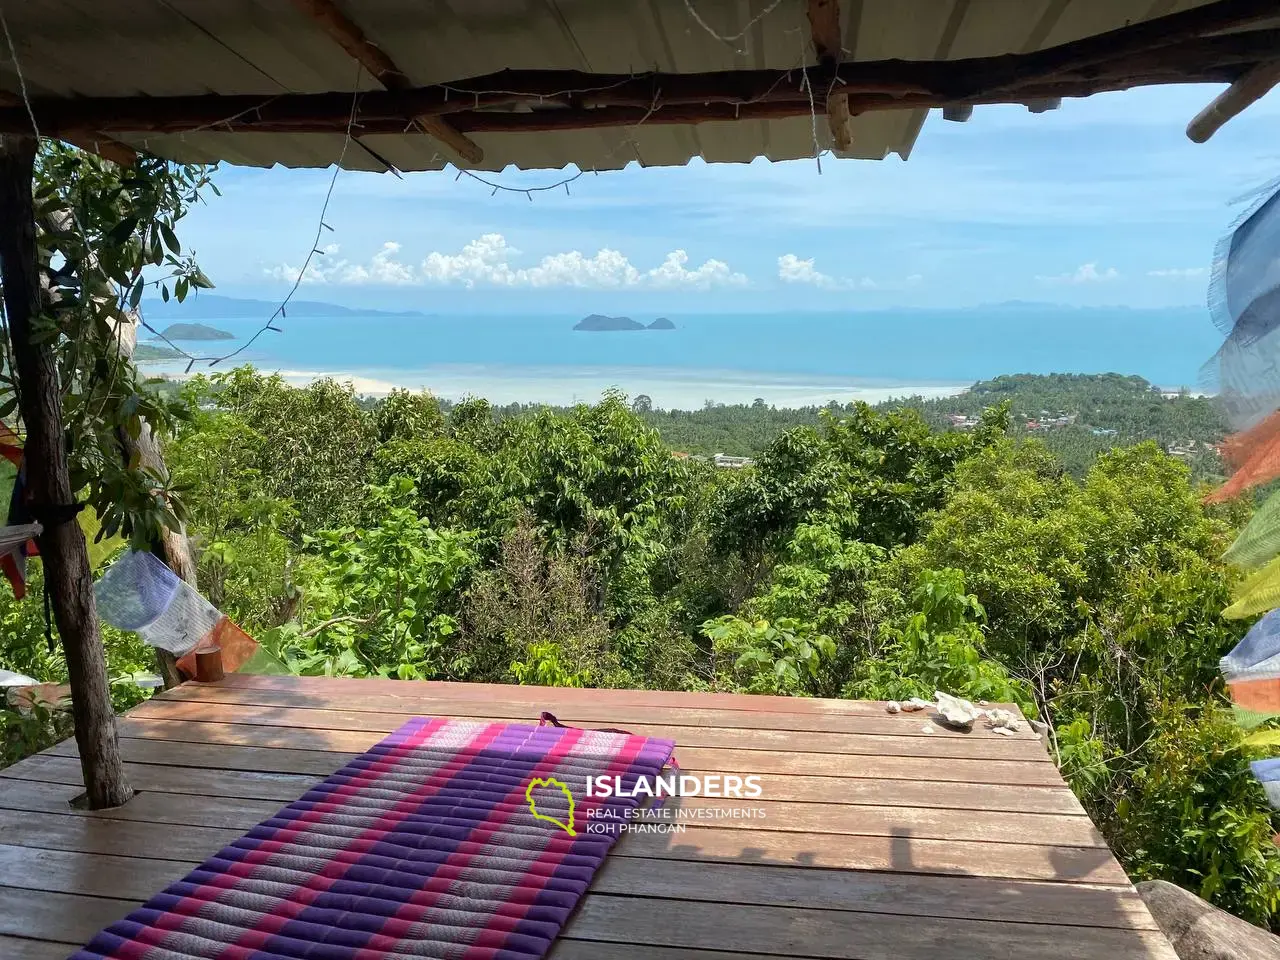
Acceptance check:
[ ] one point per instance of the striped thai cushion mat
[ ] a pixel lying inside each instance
(423, 847)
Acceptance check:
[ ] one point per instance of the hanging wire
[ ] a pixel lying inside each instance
(321, 226)
(731, 41)
(628, 140)
(807, 86)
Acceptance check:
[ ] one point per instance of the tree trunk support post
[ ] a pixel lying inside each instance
(62, 545)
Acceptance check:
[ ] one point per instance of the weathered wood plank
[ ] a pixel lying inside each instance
(86, 834)
(594, 950)
(157, 808)
(569, 711)
(284, 787)
(20, 948)
(782, 816)
(343, 688)
(979, 898)
(138, 878)
(217, 782)
(231, 757)
(844, 935)
(994, 749)
(77, 832)
(60, 917)
(94, 875)
(229, 747)
(901, 852)
(931, 822)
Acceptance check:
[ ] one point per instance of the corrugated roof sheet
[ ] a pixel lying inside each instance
(173, 47)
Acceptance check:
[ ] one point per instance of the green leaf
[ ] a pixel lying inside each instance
(122, 230)
(170, 238)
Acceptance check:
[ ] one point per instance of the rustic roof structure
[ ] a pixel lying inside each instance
(601, 84)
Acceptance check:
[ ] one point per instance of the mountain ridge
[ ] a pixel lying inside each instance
(212, 307)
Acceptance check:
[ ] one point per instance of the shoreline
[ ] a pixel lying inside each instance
(668, 388)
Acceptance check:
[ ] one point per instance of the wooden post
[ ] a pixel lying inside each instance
(62, 546)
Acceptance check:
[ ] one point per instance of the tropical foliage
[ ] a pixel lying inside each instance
(866, 555)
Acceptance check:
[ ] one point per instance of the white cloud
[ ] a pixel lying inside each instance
(327, 267)
(791, 269)
(1183, 273)
(672, 272)
(1085, 273)
(483, 261)
(486, 261)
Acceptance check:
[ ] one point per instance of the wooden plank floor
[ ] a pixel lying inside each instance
(880, 841)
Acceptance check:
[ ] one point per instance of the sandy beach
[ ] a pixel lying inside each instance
(670, 389)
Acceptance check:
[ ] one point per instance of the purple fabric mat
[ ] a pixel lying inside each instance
(425, 846)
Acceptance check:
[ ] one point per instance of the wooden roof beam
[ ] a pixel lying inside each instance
(103, 146)
(869, 85)
(1233, 101)
(351, 38)
(1141, 37)
(824, 28)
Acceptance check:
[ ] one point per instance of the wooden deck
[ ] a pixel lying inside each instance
(881, 842)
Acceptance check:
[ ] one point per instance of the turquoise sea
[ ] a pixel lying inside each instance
(784, 358)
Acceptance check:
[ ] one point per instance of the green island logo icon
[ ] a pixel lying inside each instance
(533, 803)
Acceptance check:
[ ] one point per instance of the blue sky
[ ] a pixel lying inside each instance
(1102, 202)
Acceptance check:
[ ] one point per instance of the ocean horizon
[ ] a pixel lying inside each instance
(785, 359)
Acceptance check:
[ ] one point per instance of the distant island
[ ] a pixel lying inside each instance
(209, 306)
(597, 323)
(148, 353)
(194, 331)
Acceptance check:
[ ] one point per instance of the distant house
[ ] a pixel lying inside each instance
(962, 421)
(1103, 432)
(732, 463)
